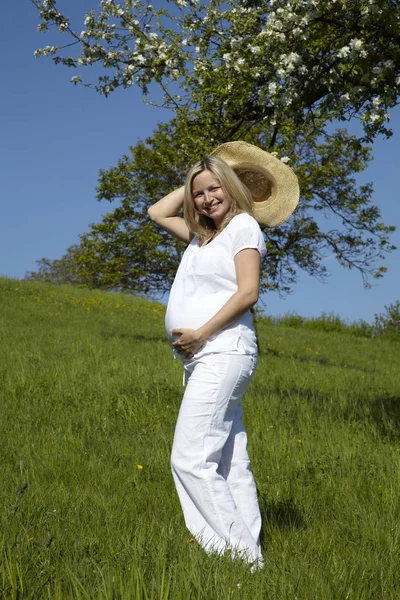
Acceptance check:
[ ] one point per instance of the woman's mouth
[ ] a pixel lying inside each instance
(213, 207)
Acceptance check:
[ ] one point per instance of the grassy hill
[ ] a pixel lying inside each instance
(89, 396)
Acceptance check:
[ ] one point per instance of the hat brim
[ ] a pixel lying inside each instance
(254, 164)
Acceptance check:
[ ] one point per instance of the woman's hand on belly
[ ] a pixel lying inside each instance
(188, 342)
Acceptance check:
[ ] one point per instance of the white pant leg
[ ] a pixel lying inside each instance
(215, 386)
(236, 470)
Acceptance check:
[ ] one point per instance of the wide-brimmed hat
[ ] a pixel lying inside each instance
(272, 184)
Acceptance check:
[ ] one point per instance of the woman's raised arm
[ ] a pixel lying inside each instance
(164, 213)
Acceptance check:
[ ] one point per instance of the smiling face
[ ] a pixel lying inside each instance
(209, 198)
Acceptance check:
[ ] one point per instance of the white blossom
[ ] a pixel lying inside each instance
(356, 44)
(343, 52)
(272, 88)
(239, 63)
(255, 49)
(294, 58)
(285, 159)
(45, 51)
(181, 3)
(184, 42)
(302, 70)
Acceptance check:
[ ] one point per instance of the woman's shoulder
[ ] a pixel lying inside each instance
(246, 233)
(243, 220)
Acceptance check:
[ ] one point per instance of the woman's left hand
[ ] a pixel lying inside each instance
(188, 342)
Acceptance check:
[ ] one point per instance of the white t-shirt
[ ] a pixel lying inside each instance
(204, 282)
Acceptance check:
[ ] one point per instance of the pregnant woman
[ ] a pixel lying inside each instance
(210, 328)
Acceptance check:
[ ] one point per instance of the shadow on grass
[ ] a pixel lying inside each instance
(311, 395)
(384, 414)
(134, 336)
(282, 514)
(307, 359)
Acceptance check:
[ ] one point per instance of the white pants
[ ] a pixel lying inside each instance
(210, 464)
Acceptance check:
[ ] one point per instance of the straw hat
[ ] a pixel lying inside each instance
(273, 185)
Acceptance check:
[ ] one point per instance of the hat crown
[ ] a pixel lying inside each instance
(272, 184)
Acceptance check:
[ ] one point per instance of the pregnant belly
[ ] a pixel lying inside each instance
(191, 315)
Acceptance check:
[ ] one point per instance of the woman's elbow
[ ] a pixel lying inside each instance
(150, 212)
(250, 298)
(253, 298)
(154, 215)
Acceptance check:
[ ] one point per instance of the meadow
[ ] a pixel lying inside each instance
(89, 396)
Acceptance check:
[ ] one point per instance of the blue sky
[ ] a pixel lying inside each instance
(55, 137)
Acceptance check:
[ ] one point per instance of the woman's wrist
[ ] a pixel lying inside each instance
(202, 335)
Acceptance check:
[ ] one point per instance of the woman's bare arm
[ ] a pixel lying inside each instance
(164, 213)
(247, 264)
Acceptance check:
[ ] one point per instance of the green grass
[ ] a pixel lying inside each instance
(89, 397)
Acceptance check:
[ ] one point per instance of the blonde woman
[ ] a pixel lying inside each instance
(210, 328)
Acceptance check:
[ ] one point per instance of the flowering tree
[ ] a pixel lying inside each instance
(274, 73)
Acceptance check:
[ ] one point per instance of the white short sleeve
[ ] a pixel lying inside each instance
(247, 234)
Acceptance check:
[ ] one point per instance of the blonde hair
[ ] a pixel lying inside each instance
(236, 192)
